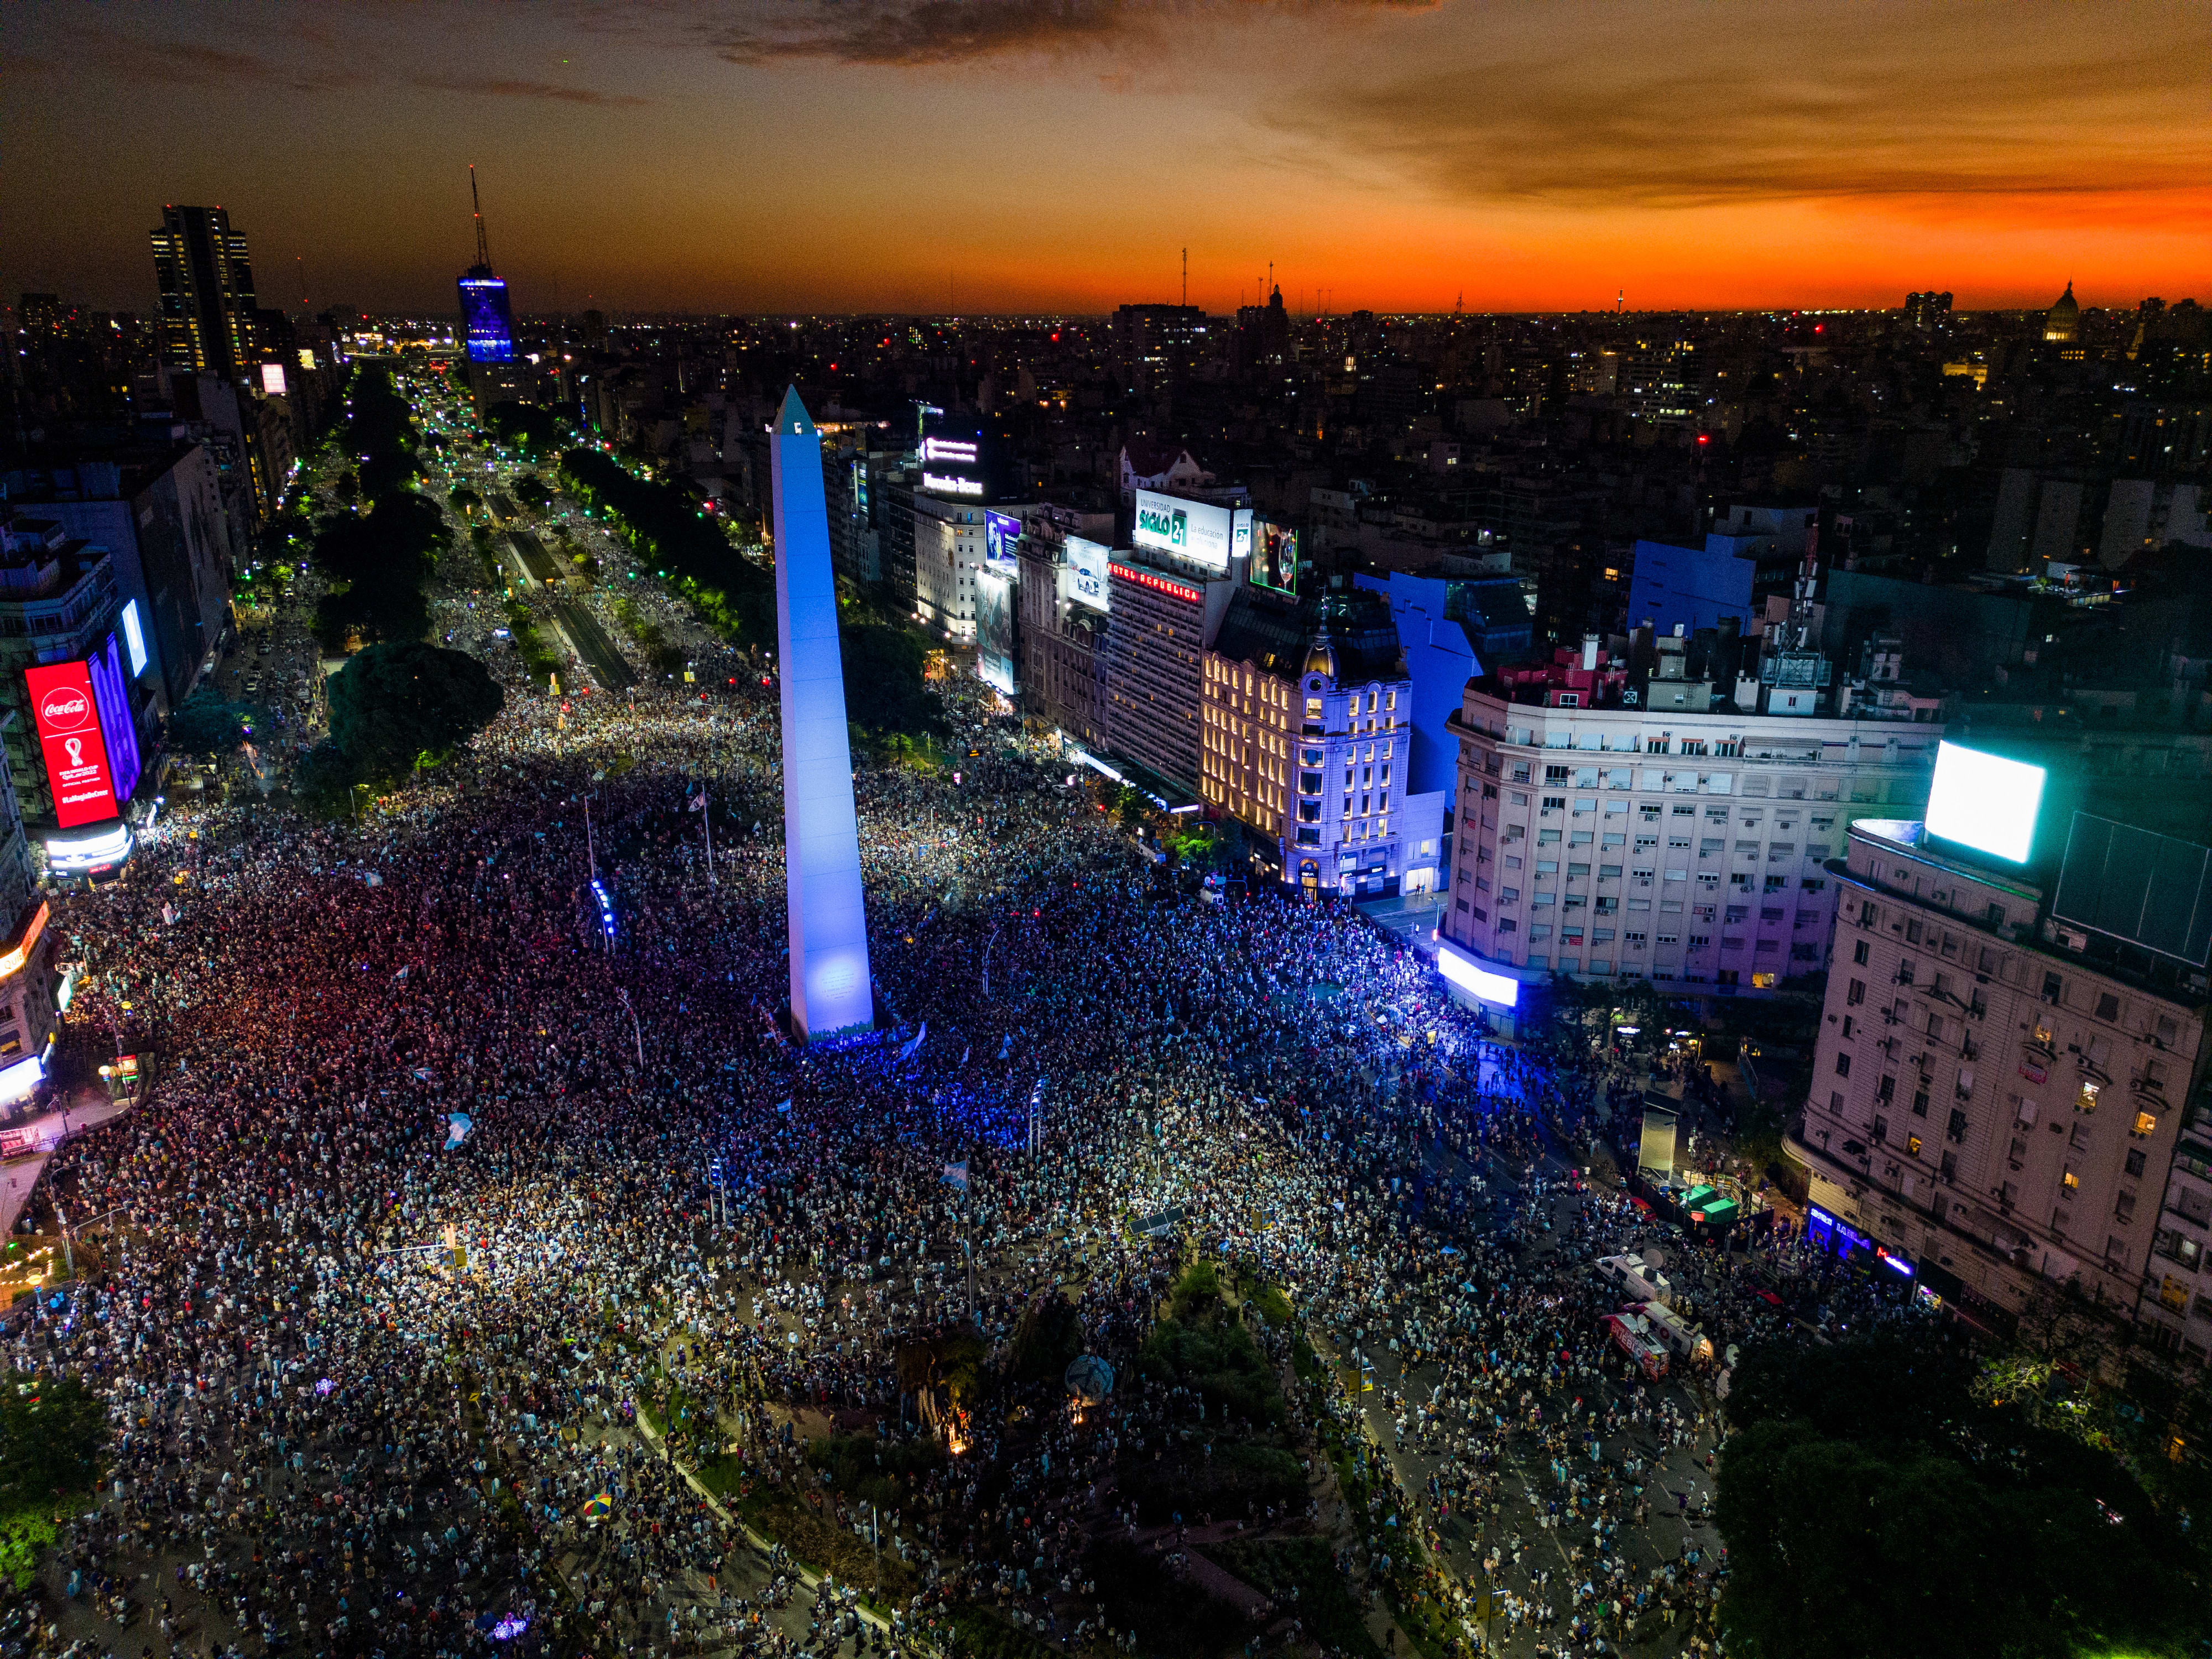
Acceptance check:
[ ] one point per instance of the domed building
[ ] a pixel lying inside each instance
(2063, 322)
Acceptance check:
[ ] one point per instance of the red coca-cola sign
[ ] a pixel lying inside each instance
(69, 738)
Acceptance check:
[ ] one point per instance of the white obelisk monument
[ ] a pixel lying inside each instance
(830, 992)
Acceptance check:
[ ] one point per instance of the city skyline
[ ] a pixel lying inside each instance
(1006, 157)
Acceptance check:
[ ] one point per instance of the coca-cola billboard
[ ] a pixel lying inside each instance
(68, 719)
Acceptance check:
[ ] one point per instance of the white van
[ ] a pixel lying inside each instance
(1628, 1274)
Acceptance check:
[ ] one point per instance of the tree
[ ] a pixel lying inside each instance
(884, 686)
(324, 778)
(205, 724)
(393, 703)
(52, 1431)
(464, 498)
(377, 611)
(529, 489)
(526, 428)
(1871, 1506)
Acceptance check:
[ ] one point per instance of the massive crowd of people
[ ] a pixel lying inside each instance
(447, 1198)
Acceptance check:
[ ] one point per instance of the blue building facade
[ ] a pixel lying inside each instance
(1439, 662)
(1690, 588)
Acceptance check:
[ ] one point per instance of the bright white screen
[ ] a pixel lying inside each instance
(1984, 801)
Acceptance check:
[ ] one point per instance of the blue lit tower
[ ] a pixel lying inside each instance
(486, 324)
(830, 990)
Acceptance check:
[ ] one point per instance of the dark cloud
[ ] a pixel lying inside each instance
(1755, 126)
(186, 63)
(545, 89)
(920, 32)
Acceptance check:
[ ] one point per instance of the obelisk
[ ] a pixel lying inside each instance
(830, 991)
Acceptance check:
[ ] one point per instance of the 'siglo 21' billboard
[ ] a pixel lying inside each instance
(68, 723)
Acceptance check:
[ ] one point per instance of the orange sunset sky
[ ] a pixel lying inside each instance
(1058, 155)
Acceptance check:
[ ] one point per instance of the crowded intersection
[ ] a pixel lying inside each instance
(487, 1267)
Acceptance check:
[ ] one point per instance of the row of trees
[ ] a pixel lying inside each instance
(382, 557)
(883, 662)
(396, 707)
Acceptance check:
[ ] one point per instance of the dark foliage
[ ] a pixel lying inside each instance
(527, 428)
(1172, 1619)
(52, 1431)
(205, 724)
(394, 702)
(1863, 1476)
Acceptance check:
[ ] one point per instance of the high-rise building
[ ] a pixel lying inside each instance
(206, 281)
(1927, 312)
(486, 325)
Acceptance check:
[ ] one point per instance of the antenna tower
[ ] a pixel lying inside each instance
(1185, 277)
(476, 207)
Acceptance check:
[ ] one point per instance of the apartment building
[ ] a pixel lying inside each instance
(1678, 844)
(2009, 1083)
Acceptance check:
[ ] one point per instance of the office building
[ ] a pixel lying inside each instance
(59, 602)
(206, 283)
(160, 514)
(1927, 312)
(1163, 614)
(1157, 345)
(1306, 736)
(948, 554)
(1602, 836)
(2007, 1094)
(486, 325)
(1062, 598)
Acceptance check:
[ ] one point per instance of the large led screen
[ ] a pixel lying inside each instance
(1984, 801)
(68, 724)
(994, 630)
(1274, 557)
(1193, 530)
(1086, 573)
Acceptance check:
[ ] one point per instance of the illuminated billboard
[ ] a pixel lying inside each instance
(1274, 557)
(272, 379)
(68, 723)
(1086, 573)
(1000, 531)
(994, 630)
(1499, 990)
(1191, 530)
(111, 697)
(1984, 801)
(135, 637)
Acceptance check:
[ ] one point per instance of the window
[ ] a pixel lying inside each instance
(2136, 1162)
(2108, 1006)
(2146, 1124)
(1859, 955)
(1920, 1102)
(1956, 1129)
(2086, 1102)
(1880, 1130)
(2123, 1207)
(1912, 1145)
(2071, 1181)
(2054, 988)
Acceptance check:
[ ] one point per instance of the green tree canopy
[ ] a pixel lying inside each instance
(526, 428)
(529, 489)
(205, 724)
(1871, 1506)
(395, 540)
(393, 703)
(381, 610)
(52, 1429)
(883, 687)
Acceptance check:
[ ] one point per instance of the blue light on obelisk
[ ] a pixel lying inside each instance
(829, 987)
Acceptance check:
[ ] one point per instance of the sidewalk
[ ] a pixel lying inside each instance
(19, 1177)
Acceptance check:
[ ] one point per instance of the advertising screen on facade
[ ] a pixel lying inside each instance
(1984, 801)
(1274, 557)
(68, 723)
(1086, 573)
(994, 630)
(1193, 530)
(1000, 531)
(1500, 990)
(111, 695)
(135, 637)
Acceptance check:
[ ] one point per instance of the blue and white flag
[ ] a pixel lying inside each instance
(1007, 1046)
(956, 1175)
(914, 1044)
(457, 1125)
